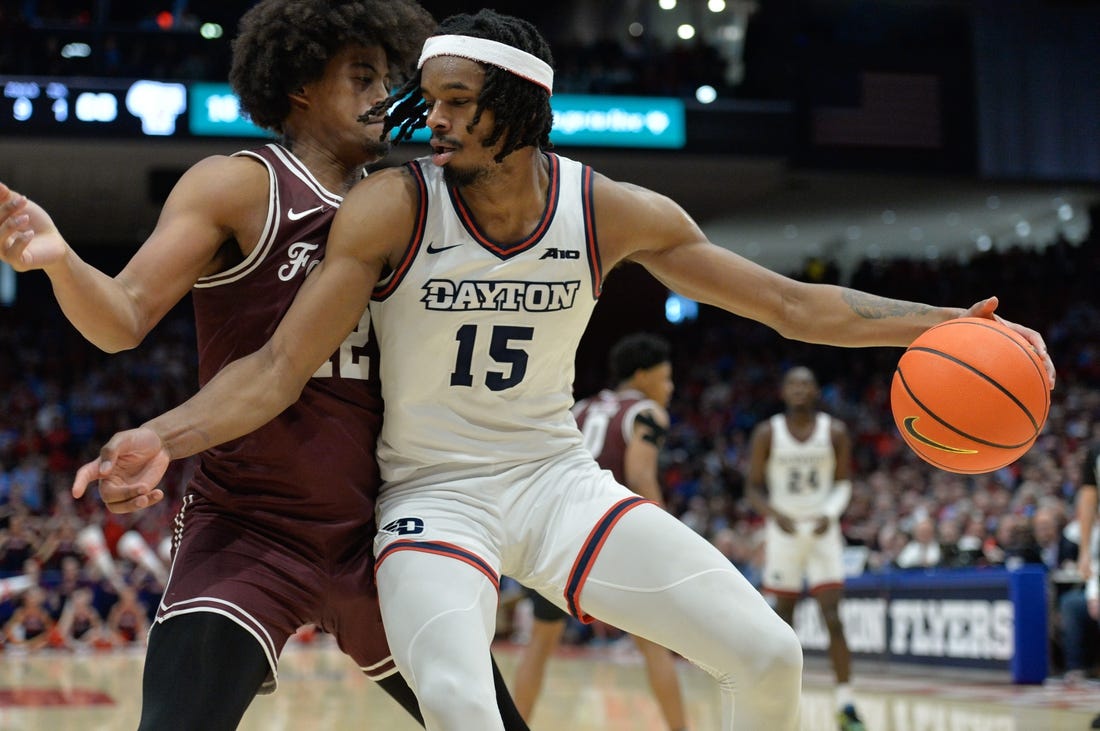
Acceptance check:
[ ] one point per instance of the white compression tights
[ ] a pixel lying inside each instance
(654, 577)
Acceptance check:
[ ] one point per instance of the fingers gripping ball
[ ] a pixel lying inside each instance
(970, 395)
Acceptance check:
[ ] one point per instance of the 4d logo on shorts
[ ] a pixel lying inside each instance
(404, 527)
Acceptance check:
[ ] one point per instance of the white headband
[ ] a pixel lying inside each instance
(511, 59)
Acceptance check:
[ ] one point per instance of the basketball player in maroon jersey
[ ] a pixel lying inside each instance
(624, 429)
(275, 529)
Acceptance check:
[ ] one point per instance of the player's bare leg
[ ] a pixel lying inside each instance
(828, 599)
(531, 670)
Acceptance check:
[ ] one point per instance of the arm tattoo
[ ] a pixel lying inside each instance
(873, 307)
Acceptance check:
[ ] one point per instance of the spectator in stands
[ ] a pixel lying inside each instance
(58, 542)
(128, 620)
(72, 580)
(80, 625)
(1014, 544)
(1055, 550)
(17, 544)
(923, 549)
(958, 550)
(30, 625)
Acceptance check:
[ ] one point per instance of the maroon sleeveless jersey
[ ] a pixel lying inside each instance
(309, 475)
(607, 422)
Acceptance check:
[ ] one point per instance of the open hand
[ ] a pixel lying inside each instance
(28, 237)
(129, 469)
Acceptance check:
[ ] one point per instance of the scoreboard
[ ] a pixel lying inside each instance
(136, 108)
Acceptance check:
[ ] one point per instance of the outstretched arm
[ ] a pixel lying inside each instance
(639, 225)
(213, 202)
(372, 225)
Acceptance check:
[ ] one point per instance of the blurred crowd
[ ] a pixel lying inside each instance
(74, 575)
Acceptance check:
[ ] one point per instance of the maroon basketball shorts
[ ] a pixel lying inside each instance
(271, 584)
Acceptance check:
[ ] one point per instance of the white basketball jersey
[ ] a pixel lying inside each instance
(477, 341)
(800, 474)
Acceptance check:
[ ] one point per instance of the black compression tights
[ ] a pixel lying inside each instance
(202, 671)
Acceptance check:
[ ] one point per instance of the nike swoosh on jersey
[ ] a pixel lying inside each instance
(911, 430)
(298, 215)
(441, 248)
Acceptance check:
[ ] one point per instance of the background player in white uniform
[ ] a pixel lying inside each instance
(486, 471)
(799, 477)
(624, 429)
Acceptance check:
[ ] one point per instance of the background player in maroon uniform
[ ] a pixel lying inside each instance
(624, 429)
(275, 530)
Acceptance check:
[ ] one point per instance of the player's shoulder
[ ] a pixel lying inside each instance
(221, 187)
(762, 429)
(378, 212)
(224, 176)
(395, 186)
(655, 411)
(837, 426)
(233, 166)
(616, 193)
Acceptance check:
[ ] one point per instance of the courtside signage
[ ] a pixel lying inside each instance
(612, 121)
(582, 120)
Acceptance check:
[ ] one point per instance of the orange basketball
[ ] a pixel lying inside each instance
(970, 395)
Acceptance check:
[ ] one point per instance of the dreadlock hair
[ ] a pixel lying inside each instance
(283, 44)
(521, 108)
(637, 352)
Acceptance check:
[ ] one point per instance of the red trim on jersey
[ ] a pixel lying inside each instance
(591, 549)
(415, 241)
(589, 205)
(440, 548)
(827, 585)
(500, 250)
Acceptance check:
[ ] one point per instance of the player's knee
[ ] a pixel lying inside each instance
(447, 695)
(782, 658)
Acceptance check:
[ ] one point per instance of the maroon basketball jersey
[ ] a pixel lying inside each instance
(607, 422)
(314, 464)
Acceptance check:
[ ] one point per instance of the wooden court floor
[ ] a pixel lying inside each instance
(590, 690)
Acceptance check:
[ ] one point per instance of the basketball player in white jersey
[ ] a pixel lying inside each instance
(799, 477)
(485, 261)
